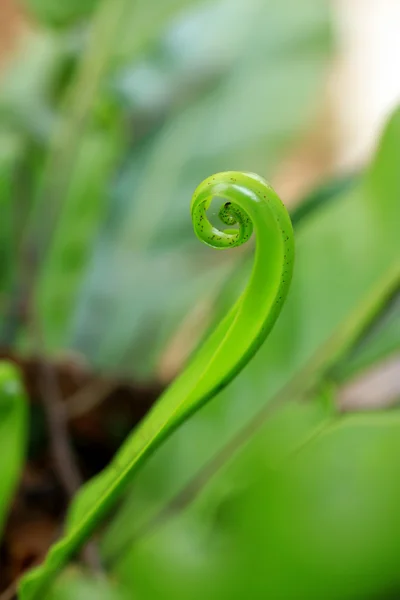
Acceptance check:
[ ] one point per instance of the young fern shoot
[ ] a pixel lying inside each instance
(249, 204)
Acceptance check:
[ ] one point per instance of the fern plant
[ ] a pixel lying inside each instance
(248, 203)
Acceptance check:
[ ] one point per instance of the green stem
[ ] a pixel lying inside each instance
(72, 124)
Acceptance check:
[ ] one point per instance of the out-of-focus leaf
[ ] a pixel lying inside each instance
(380, 341)
(11, 146)
(344, 253)
(74, 585)
(320, 523)
(27, 85)
(327, 192)
(56, 13)
(13, 431)
(147, 23)
(73, 182)
(66, 260)
(245, 118)
(76, 175)
(382, 181)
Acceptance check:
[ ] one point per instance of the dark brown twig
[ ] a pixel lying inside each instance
(63, 456)
(64, 459)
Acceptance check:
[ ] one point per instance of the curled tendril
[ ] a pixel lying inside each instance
(229, 214)
(242, 193)
(249, 203)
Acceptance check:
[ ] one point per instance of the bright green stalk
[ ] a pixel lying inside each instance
(13, 433)
(249, 203)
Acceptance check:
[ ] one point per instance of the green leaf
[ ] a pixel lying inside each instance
(55, 13)
(13, 433)
(67, 258)
(347, 252)
(84, 147)
(249, 202)
(11, 145)
(148, 25)
(379, 342)
(382, 180)
(27, 84)
(327, 192)
(319, 521)
(75, 585)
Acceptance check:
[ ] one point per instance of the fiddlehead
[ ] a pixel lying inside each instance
(249, 203)
(229, 214)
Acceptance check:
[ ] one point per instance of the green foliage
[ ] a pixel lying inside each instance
(55, 14)
(13, 424)
(10, 151)
(27, 86)
(249, 202)
(336, 294)
(318, 522)
(75, 585)
(106, 126)
(68, 256)
(379, 342)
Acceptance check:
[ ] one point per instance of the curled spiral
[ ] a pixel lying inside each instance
(231, 212)
(250, 203)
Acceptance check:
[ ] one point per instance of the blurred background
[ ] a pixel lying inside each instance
(286, 486)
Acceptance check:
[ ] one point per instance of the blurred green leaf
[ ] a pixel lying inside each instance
(66, 261)
(76, 585)
(322, 523)
(56, 13)
(380, 341)
(327, 192)
(76, 176)
(13, 433)
(148, 24)
(27, 85)
(345, 251)
(11, 149)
